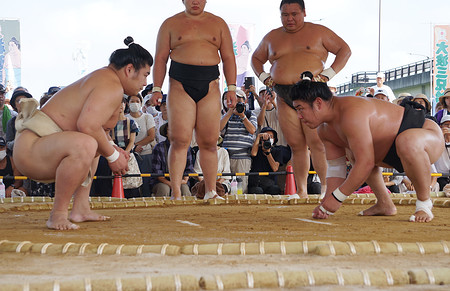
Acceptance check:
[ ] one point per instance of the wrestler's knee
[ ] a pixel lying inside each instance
(408, 145)
(84, 147)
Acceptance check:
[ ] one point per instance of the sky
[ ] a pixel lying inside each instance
(52, 32)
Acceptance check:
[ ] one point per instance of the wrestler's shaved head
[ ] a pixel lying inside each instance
(299, 2)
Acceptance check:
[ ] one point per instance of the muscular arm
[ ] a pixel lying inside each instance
(161, 55)
(360, 142)
(100, 106)
(227, 55)
(260, 57)
(337, 46)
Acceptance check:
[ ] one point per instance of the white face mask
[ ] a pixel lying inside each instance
(135, 107)
(152, 110)
(2, 154)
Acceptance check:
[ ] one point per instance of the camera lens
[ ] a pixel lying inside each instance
(267, 144)
(240, 107)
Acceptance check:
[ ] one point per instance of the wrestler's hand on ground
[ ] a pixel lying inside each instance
(329, 204)
(156, 98)
(231, 99)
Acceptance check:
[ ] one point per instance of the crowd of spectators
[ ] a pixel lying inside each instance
(250, 141)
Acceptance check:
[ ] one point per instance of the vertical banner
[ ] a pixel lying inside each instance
(10, 55)
(441, 71)
(242, 35)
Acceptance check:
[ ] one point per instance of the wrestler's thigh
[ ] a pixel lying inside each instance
(428, 138)
(39, 157)
(290, 124)
(207, 125)
(182, 113)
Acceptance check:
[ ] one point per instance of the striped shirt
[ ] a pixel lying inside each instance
(237, 140)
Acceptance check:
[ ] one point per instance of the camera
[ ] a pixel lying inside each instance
(267, 144)
(248, 81)
(240, 107)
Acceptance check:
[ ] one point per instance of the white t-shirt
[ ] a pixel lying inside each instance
(443, 164)
(223, 165)
(144, 122)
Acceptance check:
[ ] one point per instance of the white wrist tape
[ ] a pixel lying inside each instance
(338, 195)
(156, 89)
(337, 168)
(232, 88)
(112, 158)
(112, 142)
(329, 73)
(263, 76)
(325, 211)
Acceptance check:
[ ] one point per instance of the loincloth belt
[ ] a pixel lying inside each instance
(41, 124)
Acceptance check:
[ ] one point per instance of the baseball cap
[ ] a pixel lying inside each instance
(2, 88)
(380, 91)
(2, 142)
(147, 89)
(52, 90)
(380, 75)
(240, 93)
(262, 89)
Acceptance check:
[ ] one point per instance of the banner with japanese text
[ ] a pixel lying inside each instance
(441, 72)
(242, 38)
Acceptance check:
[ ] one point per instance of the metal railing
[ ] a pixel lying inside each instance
(361, 79)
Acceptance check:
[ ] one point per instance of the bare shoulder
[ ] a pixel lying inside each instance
(217, 20)
(103, 79)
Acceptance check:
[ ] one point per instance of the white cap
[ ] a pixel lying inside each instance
(445, 118)
(380, 75)
(240, 93)
(147, 98)
(381, 91)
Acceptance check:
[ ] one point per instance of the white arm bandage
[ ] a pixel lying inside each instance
(112, 158)
(338, 195)
(329, 73)
(337, 168)
(263, 76)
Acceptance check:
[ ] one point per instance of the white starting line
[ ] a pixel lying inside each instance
(189, 223)
(313, 221)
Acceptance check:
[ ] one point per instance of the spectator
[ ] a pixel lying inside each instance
(380, 85)
(438, 107)
(445, 101)
(7, 168)
(124, 135)
(5, 113)
(11, 126)
(238, 126)
(223, 166)
(443, 163)
(381, 94)
(160, 164)
(265, 158)
(145, 139)
(422, 99)
(161, 118)
(148, 107)
(401, 97)
(393, 183)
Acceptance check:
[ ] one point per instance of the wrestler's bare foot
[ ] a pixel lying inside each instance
(87, 216)
(377, 210)
(175, 197)
(59, 221)
(420, 216)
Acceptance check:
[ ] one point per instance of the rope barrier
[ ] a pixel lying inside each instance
(250, 280)
(154, 175)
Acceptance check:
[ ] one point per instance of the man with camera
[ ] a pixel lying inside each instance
(238, 126)
(295, 47)
(266, 157)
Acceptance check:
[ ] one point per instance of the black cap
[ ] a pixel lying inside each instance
(52, 90)
(12, 102)
(2, 142)
(148, 89)
(2, 88)
(275, 135)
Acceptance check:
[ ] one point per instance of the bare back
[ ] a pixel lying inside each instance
(103, 85)
(195, 41)
(370, 122)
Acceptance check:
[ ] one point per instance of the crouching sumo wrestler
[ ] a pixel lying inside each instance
(372, 134)
(62, 141)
